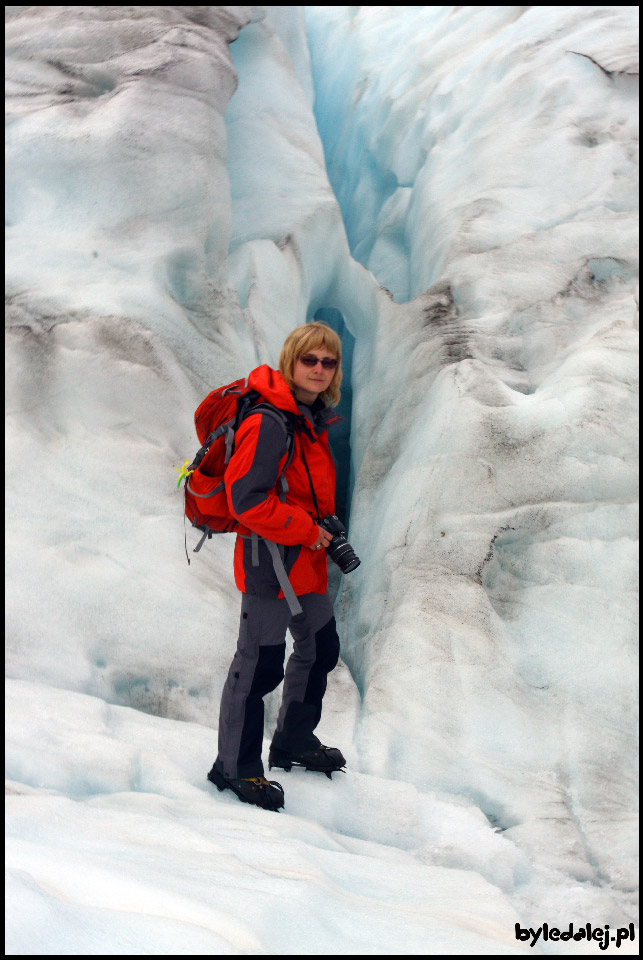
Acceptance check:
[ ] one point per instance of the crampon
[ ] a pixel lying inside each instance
(323, 759)
(267, 794)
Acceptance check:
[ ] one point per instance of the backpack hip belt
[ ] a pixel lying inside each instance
(276, 553)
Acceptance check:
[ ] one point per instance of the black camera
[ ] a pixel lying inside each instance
(339, 548)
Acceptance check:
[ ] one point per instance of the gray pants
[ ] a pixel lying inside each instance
(258, 667)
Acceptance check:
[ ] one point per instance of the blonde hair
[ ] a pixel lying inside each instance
(312, 336)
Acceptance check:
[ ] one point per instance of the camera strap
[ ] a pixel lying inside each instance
(310, 481)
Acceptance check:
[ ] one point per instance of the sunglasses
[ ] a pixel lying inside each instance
(310, 361)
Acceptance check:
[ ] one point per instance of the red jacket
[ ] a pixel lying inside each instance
(252, 489)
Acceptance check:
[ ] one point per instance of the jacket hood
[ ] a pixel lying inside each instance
(273, 388)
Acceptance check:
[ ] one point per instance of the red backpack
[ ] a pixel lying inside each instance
(216, 420)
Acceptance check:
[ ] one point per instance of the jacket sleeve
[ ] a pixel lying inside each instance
(250, 481)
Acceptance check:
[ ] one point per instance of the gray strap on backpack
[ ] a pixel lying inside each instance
(206, 536)
(204, 496)
(282, 577)
(229, 441)
(276, 551)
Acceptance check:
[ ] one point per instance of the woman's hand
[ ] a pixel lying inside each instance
(322, 540)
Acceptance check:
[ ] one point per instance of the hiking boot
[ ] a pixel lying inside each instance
(267, 794)
(323, 759)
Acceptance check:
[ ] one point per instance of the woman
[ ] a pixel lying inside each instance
(305, 388)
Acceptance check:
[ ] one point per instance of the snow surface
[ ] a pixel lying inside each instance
(457, 187)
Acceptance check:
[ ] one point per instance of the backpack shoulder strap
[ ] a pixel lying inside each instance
(283, 418)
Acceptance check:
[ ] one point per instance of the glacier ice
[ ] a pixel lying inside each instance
(453, 189)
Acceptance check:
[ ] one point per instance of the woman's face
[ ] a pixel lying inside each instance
(311, 381)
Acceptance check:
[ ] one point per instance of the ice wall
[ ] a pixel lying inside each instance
(477, 134)
(491, 152)
(119, 319)
(170, 219)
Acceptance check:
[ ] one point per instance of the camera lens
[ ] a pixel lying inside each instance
(350, 564)
(339, 549)
(343, 554)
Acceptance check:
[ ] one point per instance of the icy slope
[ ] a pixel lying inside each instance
(130, 851)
